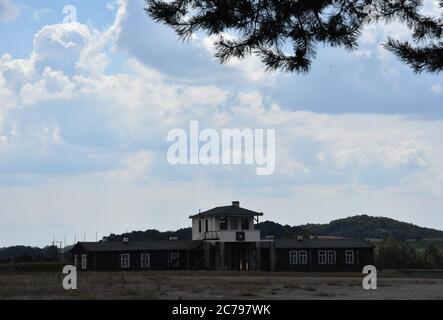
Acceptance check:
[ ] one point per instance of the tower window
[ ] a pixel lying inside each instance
(223, 224)
(245, 224)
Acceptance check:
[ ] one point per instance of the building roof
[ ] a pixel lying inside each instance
(158, 245)
(227, 211)
(323, 243)
(112, 246)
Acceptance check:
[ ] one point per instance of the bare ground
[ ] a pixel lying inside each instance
(211, 285)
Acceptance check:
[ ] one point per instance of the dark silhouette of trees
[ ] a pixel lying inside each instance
(364, 226)
(28, 254)
(427, 52)
(285, 34)
(433, 256)
(394, 254)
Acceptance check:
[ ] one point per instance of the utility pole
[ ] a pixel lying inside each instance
(58, 244)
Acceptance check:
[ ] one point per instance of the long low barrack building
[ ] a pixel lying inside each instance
(226, 239)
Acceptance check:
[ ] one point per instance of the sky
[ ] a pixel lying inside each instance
(86, 107)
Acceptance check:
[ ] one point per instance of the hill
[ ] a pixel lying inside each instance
(281, 231)
(365, 226)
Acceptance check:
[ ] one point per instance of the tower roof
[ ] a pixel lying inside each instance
(233, 210)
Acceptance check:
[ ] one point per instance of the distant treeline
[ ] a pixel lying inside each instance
(148, 235)
(20, 254)
(373, 228)
(392, 253)
(353, 227)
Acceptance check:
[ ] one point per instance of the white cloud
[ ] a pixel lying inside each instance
(53, 85)
(16, 72)
(144, 101)
(41, 12)
(7, 97)
(136, 166)
(9, 11)
(93, 58)
(437, 89)
(291, 168)
(432, 7)
(353, 142)
(59, 46)
(111, 5)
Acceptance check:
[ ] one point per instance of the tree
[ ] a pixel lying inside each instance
(285, 34)
(427, 30)
(392, 253)
(433, 256)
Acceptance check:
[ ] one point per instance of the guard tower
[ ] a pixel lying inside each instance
(231, 238)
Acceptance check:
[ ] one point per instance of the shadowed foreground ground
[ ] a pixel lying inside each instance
(206, 285)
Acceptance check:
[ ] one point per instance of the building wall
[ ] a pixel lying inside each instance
(159, 260)
(213, 225)
(231, 236)
(225, 235)
(362, 257)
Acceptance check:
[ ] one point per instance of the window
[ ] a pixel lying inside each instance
(293, 258)
(331, 256)
(322, 257)
(124, 261)
(234, 224)
(303, 257)
(174, 259)
(349, 256)
(75, 261)
(245, 224)
(84, 261)
(199, 226)
(223, 224)
(207, 225)
(145, 260)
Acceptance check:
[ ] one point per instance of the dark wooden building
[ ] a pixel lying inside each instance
(138, 255)
(328, 255)
(226, 238)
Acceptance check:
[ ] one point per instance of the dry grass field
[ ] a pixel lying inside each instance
(210, 285)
